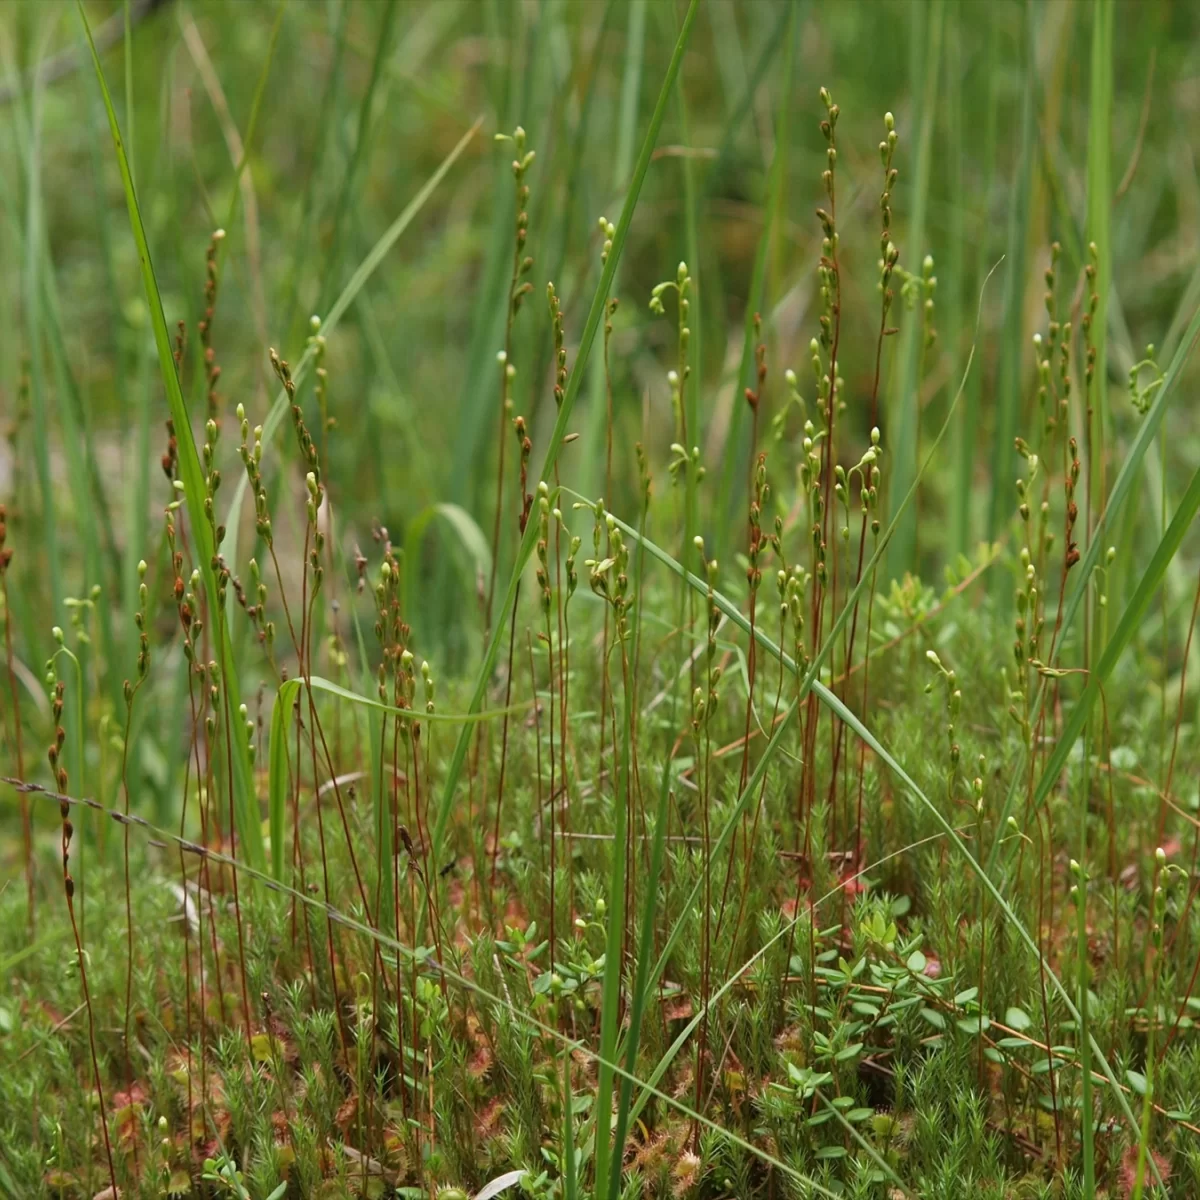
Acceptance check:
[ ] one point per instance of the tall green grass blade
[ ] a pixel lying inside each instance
(631, 89)
(471, 539)
(1099, 201)
(330, 321)
(37, 386)
(132, 405)
(279, 772)
(590, 471)
(1012, 343)
(595, 315)
(127, 45)
(608, 1165)
(641, 981)
(692, 385)
(514, 85)
(953, 280)
(252, 123)
(905, 406)
(329, 115)
(243, 799)
(1099, 220)
(772, 41)
(320, 684)
(95, 524)
(738, 450)
(348, 191)
(570, 1151)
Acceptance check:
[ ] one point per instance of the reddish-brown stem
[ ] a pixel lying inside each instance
(87, 1000)
(129, 911)
(553, 797)
(237, 903)
(26, 823)
(512, 634)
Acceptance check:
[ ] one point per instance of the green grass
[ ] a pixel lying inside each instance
(462, 789)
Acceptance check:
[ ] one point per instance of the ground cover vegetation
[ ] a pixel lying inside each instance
(597, 600)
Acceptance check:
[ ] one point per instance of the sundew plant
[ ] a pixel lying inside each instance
(598, 600)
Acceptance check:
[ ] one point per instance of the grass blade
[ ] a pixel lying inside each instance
(905, 408)
(641, 982)
(37, 389)
(1012, 346)
(608, 1163)
(328, 323)
(1099, 216)
(279, 772)
(244, 801)
(470, 536)
(738, 452)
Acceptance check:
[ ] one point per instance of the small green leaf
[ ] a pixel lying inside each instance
(1018, 1019)
(831, 1152)
(974, 1025)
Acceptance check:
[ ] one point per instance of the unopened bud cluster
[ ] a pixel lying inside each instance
(522, 263)
(212, 371)
(5, 551)
(251, 454)
(560, 352)
(678, 378)
(704, 700)
(608, 576)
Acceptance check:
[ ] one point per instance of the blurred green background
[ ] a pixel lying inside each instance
(350, 107)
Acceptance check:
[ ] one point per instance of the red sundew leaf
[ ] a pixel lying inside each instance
(852, 884)
(1129, 1169)
(487, 1119)
(680, 1009)
(345, 1114)
(135, 1095)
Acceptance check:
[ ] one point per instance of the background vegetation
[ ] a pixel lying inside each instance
(919, 998)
